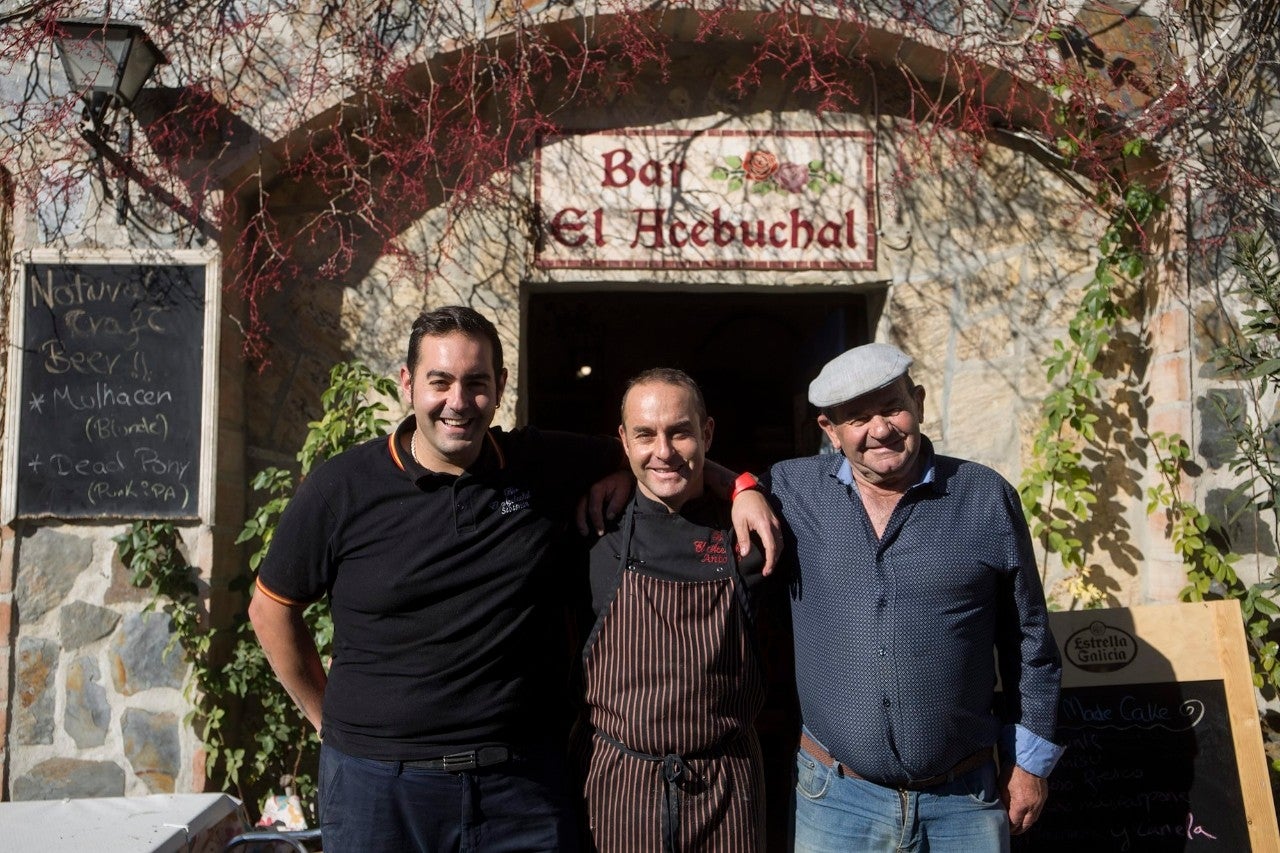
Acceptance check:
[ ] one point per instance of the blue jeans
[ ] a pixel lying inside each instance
(369, 806)
(837, 813)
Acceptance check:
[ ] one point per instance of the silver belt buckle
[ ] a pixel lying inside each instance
(459, 761)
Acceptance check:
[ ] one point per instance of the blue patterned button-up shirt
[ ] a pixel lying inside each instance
(894, 638)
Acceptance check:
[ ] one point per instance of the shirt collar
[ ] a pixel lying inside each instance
(694, 509)
(491, 456)
(928, 476)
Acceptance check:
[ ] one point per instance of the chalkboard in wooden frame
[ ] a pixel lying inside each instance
(1164, 748)
(111, 386)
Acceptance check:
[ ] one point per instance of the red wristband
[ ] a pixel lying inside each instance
(746, 482)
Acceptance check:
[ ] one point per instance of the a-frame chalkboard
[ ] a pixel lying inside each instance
(1164, 748)
(112, 384)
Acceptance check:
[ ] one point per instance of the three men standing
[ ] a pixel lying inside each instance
(441, 713)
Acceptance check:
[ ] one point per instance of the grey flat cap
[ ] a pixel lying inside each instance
(858, 371)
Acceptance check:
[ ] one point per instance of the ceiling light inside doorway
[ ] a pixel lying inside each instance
(583, 371)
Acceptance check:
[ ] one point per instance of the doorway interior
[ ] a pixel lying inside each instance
(752, 351)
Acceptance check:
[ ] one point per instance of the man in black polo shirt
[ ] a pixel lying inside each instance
(437, 709)
(441, 708)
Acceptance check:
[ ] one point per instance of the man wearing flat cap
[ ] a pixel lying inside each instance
(912, 567)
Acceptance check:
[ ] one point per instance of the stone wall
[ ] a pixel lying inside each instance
(98, 706)
(1221, 405)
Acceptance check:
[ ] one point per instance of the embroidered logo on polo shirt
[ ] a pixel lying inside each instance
(514, 499)
(714, 550)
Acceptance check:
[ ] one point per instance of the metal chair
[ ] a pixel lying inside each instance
(295, 839)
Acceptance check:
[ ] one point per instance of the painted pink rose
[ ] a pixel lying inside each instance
(792, 177)
(759, 165)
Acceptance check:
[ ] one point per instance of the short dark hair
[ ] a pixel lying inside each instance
(450, 319)
(667, 376)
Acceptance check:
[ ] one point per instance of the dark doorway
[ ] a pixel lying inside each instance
(753, 353)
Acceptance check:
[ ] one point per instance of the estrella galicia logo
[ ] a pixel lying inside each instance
(1101, 648)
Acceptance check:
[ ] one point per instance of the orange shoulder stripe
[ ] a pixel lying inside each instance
(276, 597)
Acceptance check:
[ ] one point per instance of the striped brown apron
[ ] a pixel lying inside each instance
(673, 684)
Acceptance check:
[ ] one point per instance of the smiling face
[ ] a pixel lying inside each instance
(879, 433)
(666, 442)
(454, 394)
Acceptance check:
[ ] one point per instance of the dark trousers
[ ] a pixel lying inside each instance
(369, 806)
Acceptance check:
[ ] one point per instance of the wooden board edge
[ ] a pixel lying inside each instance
(210, 412)
(1246, 732)
(13, 390)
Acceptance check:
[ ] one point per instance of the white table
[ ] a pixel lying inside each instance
(160, 823)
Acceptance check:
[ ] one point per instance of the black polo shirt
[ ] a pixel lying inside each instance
(442, 588)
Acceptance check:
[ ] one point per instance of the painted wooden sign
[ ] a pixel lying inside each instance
(712, 199)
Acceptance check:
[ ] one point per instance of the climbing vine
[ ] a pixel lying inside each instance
(1251, 357)
(252, 733)
(1058, 484)
(1211, 567)
(1057, 487)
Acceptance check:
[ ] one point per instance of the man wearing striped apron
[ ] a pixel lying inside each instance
(673, 676)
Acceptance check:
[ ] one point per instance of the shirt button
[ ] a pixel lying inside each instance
(882, 601)
(886, 703)
(882, 652)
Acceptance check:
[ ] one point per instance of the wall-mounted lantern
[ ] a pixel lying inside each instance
(107, 62)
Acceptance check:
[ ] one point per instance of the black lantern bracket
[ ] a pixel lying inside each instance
(107, 62)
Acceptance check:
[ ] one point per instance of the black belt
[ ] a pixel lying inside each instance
(461, 762)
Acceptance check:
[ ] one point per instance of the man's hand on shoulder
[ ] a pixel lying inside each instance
(1024, 795)
(752, 513)
(606, 500)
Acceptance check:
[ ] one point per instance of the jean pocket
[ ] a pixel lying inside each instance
(812, 777)
(331, 766)
(980, 784)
